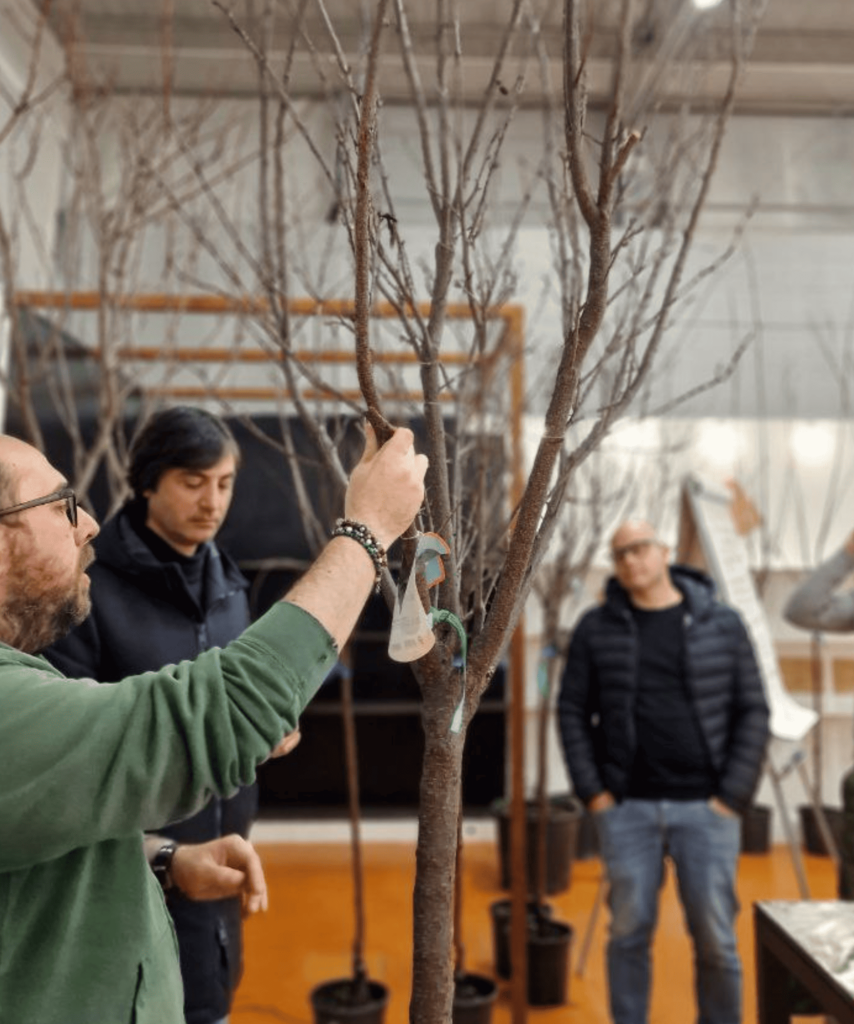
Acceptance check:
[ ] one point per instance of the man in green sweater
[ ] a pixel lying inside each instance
(85, 937)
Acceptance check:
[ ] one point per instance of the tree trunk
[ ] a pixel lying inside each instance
(435, 856)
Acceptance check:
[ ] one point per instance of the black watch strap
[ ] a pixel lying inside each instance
(161, 864)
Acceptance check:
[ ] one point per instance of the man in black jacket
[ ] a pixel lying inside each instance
(664, 725)
(163, 592)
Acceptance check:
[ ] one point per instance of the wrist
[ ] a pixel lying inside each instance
(363, 535)
(382, 535)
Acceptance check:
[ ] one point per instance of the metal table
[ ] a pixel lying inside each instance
(804, 948)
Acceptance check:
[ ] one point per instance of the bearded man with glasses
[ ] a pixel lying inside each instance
(42, 606)
(85, 935)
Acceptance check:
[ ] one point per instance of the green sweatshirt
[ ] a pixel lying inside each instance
(85, 937)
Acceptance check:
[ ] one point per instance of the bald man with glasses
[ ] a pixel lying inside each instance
(664, 725)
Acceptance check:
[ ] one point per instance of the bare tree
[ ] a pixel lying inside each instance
(619, 185)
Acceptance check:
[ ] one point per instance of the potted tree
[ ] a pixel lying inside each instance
(474, 994)
(821, 824)
(357, 999)
(554, 822)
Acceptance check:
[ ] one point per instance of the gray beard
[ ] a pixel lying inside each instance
(37, 611)
(36, 623)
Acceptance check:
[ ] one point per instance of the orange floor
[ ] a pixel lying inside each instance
(305, 938)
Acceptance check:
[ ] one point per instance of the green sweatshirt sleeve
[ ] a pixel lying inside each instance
(83, 763)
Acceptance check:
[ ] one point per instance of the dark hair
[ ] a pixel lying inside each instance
(178, 438)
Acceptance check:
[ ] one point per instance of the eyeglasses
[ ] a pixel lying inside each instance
(66, 494)
(638, 547)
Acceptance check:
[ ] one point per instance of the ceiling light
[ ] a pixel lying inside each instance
(812, 444)
(704, 5)
(719, 444)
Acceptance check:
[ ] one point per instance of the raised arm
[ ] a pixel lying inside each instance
(385, 492)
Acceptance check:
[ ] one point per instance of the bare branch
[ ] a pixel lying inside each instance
(363, 233)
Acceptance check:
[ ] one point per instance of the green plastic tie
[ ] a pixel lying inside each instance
(442, 615)
(543, 677)
(546, 655)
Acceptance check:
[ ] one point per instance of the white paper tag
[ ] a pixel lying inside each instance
(411, 634)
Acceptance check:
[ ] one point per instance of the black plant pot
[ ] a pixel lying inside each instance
(548, 963)
(756, 829)
(563, 822)
(474, 995)
(500, 913)
(813, 841)
(548, 950)
(349, 1001)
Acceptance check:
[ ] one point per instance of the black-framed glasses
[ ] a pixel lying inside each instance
(66, 494)
(637, 547)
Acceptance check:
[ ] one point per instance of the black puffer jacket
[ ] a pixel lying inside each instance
(597, 696)
(143, 617)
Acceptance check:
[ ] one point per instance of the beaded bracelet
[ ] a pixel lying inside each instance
(362, 535)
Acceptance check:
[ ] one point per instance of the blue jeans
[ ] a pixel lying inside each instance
(634, 838)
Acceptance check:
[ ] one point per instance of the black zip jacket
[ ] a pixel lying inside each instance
(144, 617)
(597, 695)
